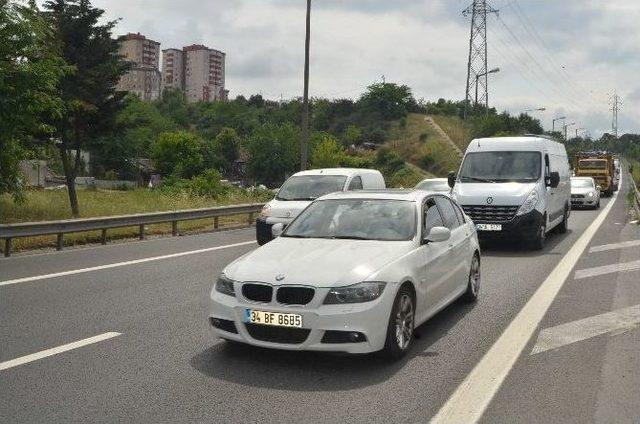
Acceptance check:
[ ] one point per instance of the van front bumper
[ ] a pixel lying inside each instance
(521, 226)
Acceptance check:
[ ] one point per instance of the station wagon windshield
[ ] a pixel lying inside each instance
(494, 167)
(357, 219)
(310, 187)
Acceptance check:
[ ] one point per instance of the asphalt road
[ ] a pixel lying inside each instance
(165, 365)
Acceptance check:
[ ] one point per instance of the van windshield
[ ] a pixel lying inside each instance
(310, 187)
(497, 167)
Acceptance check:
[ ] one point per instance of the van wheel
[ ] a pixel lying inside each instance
(540, 238)
(401, 324)
(564, 225)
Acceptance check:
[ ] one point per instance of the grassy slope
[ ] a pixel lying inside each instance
(52, 205)
(406, 142)
(457, 129)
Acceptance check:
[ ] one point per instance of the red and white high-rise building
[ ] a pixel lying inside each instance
(197, 70)
(143, 78)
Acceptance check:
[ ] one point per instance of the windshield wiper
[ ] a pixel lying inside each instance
(484, 180)
(349, 238)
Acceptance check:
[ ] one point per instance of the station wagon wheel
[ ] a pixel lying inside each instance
(401, 324)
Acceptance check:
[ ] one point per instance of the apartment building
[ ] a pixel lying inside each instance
(143, 78)
(197, 70)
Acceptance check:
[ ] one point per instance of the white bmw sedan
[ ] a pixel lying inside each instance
(354, 272)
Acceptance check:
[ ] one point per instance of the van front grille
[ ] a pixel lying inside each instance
(490, 213)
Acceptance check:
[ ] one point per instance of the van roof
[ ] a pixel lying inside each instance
(516, 144)
(337, 171)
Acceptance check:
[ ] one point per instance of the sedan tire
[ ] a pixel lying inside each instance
(401, 324)
(473, 285)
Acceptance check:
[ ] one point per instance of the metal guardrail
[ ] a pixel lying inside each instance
(30, 229)
(634, 187)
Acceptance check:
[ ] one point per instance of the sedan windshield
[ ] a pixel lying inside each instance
(433, 185)
(358, 219)
(581, 183)
(310, 187)
(493, 167)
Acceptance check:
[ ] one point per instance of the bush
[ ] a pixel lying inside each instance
(327, 154)
(423, 137)
(349, 161)
(178, 154)
(110, 175)
(405, 177)
(426, 162)
(207, 184)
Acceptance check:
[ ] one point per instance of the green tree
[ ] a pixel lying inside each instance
(30, 69)
(390, 100)
(228, 142)
(352, 135)
(89, 94)
(173, 105)
(273, 153)
(178, 154)
(327, 154)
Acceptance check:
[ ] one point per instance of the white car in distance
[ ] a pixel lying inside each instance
(355, 272)
(585, 192)
(439, 185)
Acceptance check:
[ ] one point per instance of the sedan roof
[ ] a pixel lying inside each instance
(411, 195)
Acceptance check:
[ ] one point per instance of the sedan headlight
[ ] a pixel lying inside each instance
(265, 210)
(590, 194)
(357, 293)
(224, 285)
(529, 204)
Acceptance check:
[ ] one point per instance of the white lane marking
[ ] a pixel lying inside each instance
(473, 395)
(618, 321)
(606, 269)
(119, 264)
(613, 246)
(56, 350)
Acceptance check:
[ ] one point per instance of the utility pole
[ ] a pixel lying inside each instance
(615, 107)
(305, 99)
(477, 63)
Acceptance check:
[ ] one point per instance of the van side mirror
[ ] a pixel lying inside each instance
(437, 234)
(277, 229)
(451, 179)
(554, 179)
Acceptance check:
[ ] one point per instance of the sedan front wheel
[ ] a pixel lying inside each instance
(401, 323)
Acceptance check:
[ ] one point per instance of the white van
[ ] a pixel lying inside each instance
(303, 187)
(516, 187)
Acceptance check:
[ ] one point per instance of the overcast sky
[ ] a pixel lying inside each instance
(566, 56)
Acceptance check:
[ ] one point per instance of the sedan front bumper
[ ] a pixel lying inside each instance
(330, 328)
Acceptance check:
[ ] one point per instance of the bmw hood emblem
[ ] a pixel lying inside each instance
(489, 200)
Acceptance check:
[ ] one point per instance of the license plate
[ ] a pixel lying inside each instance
(272, 318)
(489, 227)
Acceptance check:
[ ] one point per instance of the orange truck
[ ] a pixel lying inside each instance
(599, 165)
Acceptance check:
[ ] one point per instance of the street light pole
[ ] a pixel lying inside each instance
(493, 71)
(553, 123)
(305, 99)
(539, 109)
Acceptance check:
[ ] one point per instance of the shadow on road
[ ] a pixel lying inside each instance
(315, 371)
(520, 248)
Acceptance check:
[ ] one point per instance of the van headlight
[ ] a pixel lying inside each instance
(265, 210)
(357, 293)
(224, 285)
(529, 204)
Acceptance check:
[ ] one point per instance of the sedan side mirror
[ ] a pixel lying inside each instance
(554, 179)
(438, 234)
(277, 229)
(599, 188)
(451, 179)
